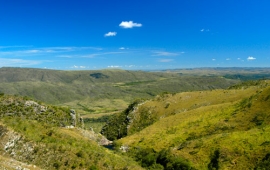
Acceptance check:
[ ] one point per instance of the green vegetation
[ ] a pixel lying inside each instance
(150, 159)
(198, 119)
(86, 91)
(116, 127)
(218, 129)
(96, 124)
(40, 138)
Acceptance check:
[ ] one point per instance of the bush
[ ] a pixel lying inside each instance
(264, 164)
(164, 159)
(214, 164)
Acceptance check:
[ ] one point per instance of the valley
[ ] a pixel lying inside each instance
(171, 119)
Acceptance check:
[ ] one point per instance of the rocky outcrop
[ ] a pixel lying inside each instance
(100, 139)
(73, 117)
(13, 145)
(37, 108)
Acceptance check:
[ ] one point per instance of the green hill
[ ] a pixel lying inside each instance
(100, 91)
(50, 137)
(217, 129)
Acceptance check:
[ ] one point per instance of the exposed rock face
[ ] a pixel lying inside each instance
(15, 145)
(100, 139)
(37, 108)
(124, 148)
(73, 117)
(81, 122)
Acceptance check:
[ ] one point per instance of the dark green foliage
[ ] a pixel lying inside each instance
(164, 159)
(246, 84)
(214, 163)
(264, 164)
(116, 127)
(245, 103)
(93, 167)
(99, 75)
(258, 120)
(99, 119)
(267, 98)
(169, 162)
(245, 77)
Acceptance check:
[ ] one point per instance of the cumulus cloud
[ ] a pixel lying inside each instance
(129, 24)
(228, 59)
(213, 59)
(110, 34)
(122, 48)
(250, 58)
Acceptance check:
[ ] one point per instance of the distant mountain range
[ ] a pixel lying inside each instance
(86, 90)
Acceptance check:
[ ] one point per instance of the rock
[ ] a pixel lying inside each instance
(104, 141)
(31, 103)
(81, 122)
(69, 127)
(73, 117)
(124, 148)
(37, 108)
(9, 114)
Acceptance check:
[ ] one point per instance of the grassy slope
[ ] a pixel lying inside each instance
(233, 122)
(86, 90)
(40, 141)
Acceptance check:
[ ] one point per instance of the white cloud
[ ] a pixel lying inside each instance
(213, 59)
(165, 60)
(18, 62)
(112, 66)
(129, 24)
(250, 58)
(164, 53)
(238, 58)
(204, 30)
(122, 48)
(130, 66)
(110, 34)
(228, 59)
(78, 67)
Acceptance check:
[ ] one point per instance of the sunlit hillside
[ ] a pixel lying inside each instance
(225, 129)
(51, 137)
(100, 91)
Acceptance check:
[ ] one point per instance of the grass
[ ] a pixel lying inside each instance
(165, 105)
(84, 90)
(41, 140)
(226, 128)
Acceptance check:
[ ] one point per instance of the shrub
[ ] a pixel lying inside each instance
(264, 164)
(214, 164)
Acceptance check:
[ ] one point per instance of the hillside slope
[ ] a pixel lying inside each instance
(218, 129)
(86, 90)
(50, 137)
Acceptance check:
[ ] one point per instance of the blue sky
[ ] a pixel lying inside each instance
(136, 35)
